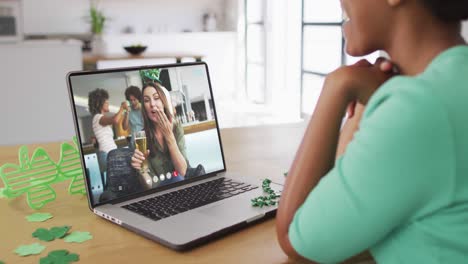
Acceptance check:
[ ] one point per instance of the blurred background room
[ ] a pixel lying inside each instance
(267, 58)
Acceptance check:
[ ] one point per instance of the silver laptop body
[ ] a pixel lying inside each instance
(183, 230)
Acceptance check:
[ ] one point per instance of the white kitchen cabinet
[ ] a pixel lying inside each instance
(35, 106)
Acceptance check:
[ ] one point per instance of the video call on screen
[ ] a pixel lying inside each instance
(165, 115)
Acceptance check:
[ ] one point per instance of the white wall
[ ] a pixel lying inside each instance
(218, 50)
(59, 16)
(35, 103)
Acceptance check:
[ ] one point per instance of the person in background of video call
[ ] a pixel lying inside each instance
(98, 103)
(133, 117)
(165, 136)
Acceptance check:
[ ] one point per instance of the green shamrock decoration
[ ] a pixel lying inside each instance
(38, 217)
(59, 257)
(268, 200)
(36, 175)
(150, 75)
(49, 235)
(78, 237)
(26, 250)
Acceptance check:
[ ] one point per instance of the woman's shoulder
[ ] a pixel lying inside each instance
(97, 117)
(404, 92)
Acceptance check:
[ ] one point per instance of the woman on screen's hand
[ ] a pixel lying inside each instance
(138, 158)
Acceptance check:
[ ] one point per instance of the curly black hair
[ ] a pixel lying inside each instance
(133, 90)
(96, 100)
(448, 10)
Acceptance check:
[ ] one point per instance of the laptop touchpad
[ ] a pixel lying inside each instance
(233, 210)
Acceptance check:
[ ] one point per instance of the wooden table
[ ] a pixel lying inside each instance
(258, 151)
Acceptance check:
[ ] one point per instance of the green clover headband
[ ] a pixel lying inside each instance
(150, 75)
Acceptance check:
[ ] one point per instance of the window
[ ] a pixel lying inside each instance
(255, 50)
(322, 47)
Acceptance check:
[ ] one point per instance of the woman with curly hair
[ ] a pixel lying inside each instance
(396, 181)
(98, 103)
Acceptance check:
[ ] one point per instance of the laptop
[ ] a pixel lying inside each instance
(182, 195)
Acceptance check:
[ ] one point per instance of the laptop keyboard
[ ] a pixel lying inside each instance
(173, 203)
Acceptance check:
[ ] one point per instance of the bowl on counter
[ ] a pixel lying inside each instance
(135, 49)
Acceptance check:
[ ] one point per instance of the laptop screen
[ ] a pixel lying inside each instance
(145, 128)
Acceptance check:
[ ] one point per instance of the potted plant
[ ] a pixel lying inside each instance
(97, 22)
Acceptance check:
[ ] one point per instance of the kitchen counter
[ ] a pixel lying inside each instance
(90, 60)
(198, 126)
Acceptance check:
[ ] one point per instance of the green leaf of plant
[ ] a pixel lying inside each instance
(38, 217)
(26, 250)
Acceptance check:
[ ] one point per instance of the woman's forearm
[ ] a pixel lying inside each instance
(349, 128)
(125, 121)
(314, 158)
(117, 116)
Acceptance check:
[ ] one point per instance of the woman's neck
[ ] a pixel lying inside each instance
(418, 41)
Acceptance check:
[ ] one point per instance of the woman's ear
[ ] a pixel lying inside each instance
(394, 3)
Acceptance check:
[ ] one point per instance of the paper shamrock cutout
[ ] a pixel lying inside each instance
(49, 235)
(38, 217)
(26, 250)
(78, 237)
(35, 177)
(59, 257)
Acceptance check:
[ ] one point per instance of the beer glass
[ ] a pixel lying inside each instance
(141, 145)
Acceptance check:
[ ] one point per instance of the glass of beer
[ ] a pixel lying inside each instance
(141, 145)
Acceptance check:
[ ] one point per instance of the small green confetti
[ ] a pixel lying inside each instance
(1, 262)
(2, 196)
(38, 217)
(267, 181)
(59, 257)
(78, 237)
(49, 235)
(268, 200)
(286, 174)
(26, 250)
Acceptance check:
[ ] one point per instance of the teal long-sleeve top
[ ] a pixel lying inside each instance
(401, 187)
